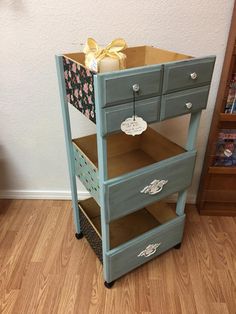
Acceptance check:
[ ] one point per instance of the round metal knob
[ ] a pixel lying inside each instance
(135, 88)
(193, 76)
(188, 105)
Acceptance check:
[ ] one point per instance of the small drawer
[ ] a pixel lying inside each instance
(184, 102)
(148, 109)
(144, 248)
(187, 74)
(128, 193)
(118, 86)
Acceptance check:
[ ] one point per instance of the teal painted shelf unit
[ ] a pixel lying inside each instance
(126, 220)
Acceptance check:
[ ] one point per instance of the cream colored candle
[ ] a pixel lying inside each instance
(109, 64)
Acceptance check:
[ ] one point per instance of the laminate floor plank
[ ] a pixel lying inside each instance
(44, 269)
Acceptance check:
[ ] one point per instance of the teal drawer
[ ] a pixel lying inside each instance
(144, 248)
(129, 192)
(187, 74)
(184, 102)
(148, 109)
(126, 155)
(118, 86)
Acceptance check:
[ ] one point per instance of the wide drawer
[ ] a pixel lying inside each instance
(148, 109)
(130, 192)
(118, 86)
(125, 154)
(144, 248)
(187, 74)
(184, 102)
(134, 239)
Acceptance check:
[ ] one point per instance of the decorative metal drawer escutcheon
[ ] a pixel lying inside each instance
(150, 250)
(154, 187)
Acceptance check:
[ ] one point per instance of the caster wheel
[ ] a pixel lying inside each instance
(79, 235)
(177, 246)
(109, 284)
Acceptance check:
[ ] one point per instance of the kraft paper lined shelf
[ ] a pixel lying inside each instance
(131, 226)
(127, 153)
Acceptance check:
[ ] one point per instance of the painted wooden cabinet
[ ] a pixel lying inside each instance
(126, 220)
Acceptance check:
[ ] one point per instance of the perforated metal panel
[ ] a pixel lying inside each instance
(87, 173)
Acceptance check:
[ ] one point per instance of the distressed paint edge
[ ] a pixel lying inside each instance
(42, 194)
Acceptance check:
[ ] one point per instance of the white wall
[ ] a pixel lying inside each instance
(32, 150)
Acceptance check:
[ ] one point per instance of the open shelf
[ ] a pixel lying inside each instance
(128, 153)
(228, 117)
(222, 170)
(130, 226)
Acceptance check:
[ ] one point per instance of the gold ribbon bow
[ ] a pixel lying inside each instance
(94, 53)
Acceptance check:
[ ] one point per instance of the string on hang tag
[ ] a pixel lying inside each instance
(135, 91)
(134, 125)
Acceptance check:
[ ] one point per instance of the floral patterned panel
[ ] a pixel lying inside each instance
(79, 88)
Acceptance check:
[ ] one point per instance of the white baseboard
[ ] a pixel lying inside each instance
(61, 195)
(38, 194)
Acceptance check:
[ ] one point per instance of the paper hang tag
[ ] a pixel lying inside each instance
(133, 126)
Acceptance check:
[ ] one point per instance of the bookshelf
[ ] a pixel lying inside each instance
(217, 188)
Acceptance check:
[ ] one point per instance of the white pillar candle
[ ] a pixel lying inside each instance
(109, 64)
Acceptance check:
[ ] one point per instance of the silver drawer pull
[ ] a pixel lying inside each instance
(136, 87)
(188, 105)
(150, 250)
(154, 187)
(193, 76)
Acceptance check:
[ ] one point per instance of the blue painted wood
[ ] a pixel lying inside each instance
(120, 196)
(102, 165)
(86, 172)
(180, 206)
(117, 86)
(68, 139)
(123, 194)
(148, 109)
(177, 74)
(192, 132)
(173, 105)
(125, 257)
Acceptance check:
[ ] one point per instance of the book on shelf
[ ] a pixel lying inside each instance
(230, 106)
(226, 148)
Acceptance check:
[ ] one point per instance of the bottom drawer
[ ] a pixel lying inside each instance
(134, 239)
(145, 248)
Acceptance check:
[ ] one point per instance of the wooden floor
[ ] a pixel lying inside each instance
(44, 269)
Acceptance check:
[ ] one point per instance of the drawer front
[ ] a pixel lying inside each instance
(187, 74)
(131, 191)
(184, 102)
(144, 248)
(148, 109)
(118, 86)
